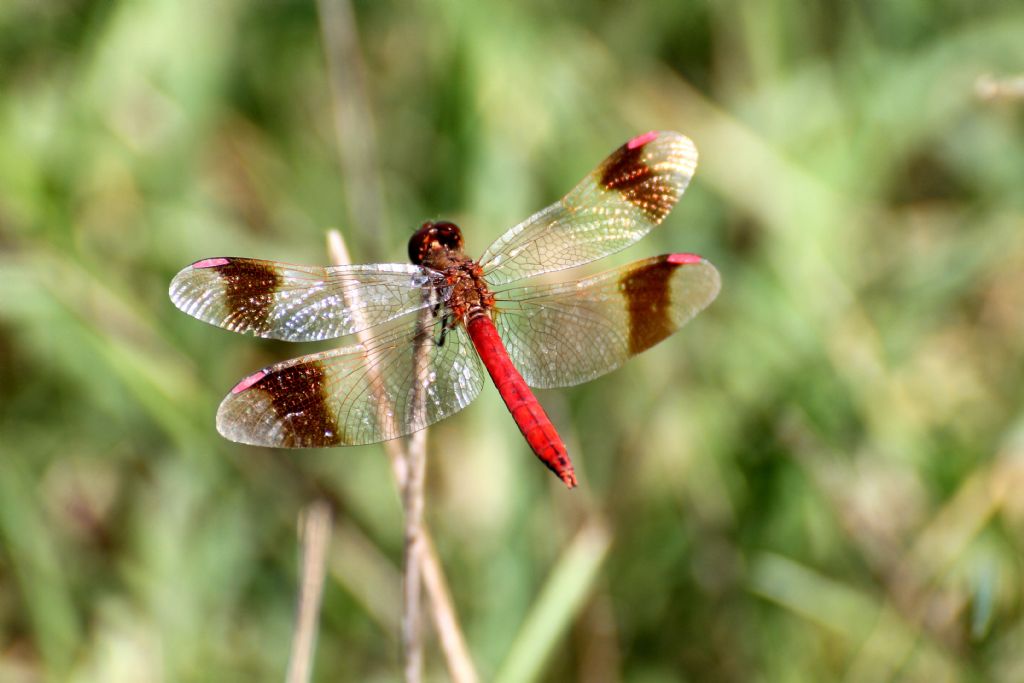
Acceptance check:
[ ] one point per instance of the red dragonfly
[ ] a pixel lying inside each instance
(426, 326)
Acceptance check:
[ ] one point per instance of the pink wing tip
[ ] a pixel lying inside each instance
(641, 140)
(249, 381)
(210, 263)
(684, 259)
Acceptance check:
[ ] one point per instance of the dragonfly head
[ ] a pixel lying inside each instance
(432, 238)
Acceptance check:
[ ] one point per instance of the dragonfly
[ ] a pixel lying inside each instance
(426, 331)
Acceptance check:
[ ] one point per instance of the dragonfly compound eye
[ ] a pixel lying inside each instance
(443, 233)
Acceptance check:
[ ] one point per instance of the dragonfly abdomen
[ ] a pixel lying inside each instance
(526, 410)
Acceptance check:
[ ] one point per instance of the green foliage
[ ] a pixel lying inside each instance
(819, 479)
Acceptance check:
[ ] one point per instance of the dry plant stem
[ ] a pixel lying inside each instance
(339, 256)
(412, 499)
(989, 88)
(315, 533)
(353, 122)
(412, 460)
(453, 642)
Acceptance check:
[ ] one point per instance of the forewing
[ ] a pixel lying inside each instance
(299, 303)
(398, 383)
(564, 334)
(615, 205)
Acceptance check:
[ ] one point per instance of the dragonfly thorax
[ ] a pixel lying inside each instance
(469, 295)
(438, 245)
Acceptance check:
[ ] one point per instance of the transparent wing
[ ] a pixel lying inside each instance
(615, 205)
(571, 332)
(400, 382)
(299, 303)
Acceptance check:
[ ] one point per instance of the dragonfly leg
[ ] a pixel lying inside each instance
(446, 324)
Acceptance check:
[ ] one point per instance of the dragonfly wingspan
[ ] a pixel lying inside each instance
(417, 363)
(619, 202)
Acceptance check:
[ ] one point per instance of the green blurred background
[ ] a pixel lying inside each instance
(821, 478)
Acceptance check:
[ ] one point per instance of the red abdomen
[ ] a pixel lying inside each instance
(533, 422)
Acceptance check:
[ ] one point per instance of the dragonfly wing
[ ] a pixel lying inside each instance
(571, 332)
(615, 205)
(299, 303)
(395, 384)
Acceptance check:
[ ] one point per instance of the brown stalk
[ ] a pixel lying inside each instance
(314, 533)
(412, 501)
(353, 119)
(353, 122)
(421, 560)
(990, 88)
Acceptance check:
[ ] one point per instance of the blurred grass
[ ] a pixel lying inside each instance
(817, 480)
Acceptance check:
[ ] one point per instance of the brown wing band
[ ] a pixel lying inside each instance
(626, 172)
(249, 289)
(648, 303)
(299, 397)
